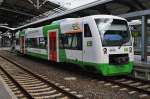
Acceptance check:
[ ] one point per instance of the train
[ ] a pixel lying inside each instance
(99, 43)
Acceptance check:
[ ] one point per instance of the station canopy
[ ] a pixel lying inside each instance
(112, 7)
(14, 11)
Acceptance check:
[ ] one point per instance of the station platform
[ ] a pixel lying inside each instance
(138, 62)
(5, 92)
(141, 68)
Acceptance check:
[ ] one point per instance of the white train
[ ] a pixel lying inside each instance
(100, 42)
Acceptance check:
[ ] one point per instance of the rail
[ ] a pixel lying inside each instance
(21, 81)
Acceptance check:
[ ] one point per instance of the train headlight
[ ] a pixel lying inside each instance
(130, 49)
(105, 50)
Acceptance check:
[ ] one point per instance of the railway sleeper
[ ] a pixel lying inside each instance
(135, 84)
(39, 90)
(31, 85)
(27, 79)
(53, 92)
(36, 87)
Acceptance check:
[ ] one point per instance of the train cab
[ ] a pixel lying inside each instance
(111, 44)
(99, 42)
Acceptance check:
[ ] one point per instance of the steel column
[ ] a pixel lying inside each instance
(144, 38)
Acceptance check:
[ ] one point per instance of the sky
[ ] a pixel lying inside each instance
(72, 3)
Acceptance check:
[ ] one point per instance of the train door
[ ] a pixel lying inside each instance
(52, 46)
(87, 44)
(22, 44)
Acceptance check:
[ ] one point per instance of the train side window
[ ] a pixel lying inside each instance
(42, 42)
(26, 43)
(74, 42)
(87, 31)
(32, 42)
(35, 42)
(29, 42)
(71, 41)
(79, 41)
(63, 41)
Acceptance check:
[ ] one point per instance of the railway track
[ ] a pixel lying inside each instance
(28, 85)
(131, 85)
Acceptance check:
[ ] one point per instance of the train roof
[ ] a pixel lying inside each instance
(72, 20)
(105, 16)
(65, 20)
(92, 16)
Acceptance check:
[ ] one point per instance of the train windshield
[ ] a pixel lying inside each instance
(114, 32)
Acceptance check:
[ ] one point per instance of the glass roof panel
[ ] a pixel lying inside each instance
(70, 4)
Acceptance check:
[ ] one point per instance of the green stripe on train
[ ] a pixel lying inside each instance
(110, 70)
(105, 69)
(50, 27)
(22, 33)
(42, 56)
(62, 54)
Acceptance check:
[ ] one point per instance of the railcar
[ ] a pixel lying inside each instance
(100, 43)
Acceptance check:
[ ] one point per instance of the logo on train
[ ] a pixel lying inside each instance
(76, 26)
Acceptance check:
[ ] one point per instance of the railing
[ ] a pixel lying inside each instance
(142, 72)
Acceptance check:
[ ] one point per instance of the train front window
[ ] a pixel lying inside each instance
(113, 32)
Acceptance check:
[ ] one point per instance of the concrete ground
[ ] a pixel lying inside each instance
(5, 92)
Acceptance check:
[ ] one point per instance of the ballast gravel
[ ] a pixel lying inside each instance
(72, 77)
